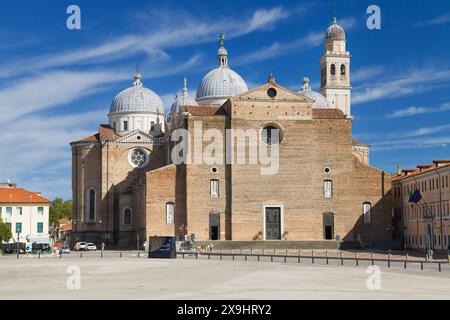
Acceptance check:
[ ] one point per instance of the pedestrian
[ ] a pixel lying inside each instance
(103, 246)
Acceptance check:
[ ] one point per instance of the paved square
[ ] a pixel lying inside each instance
(133, 278)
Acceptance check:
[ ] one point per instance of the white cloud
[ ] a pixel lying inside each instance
(413, 143)
(276, 49)
(412, 111)
(443, 19)
(367, 73)
(36, 151)
(190, 30)
(413, 82)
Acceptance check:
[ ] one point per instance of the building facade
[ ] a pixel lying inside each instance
(128, 186)
(425, 224)
(27, 214)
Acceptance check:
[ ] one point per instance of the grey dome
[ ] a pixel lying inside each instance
(221, 82)
(335, 31)
(137, 99)
(320, 102)
(184, 100)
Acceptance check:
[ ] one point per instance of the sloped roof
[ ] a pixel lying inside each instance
(18, 195)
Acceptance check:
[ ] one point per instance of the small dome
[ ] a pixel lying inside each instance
(184, 100)
(335, 31)
(320, 102)
(137, 99)
(222, 82)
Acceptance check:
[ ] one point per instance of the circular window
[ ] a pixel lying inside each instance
(272, 92)
(214, 170)
(138, 158)
(327, 170)
(271, 134)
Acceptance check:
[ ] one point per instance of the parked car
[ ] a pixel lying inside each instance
(91, 247)
(81, 246)
(64, 249)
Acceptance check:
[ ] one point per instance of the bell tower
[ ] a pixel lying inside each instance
(335, 69)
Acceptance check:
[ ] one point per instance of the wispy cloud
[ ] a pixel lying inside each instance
(405, 84)
(367, 73)
(443, 19)
(277, 49)
(189, 31)
(412, 111)
(416, 143)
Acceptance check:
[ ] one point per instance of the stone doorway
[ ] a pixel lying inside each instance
(272, 223)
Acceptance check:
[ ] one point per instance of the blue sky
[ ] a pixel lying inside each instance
(56, 84)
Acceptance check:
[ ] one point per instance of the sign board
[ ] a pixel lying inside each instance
(162, 247)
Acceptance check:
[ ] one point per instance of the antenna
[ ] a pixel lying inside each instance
(137, 68)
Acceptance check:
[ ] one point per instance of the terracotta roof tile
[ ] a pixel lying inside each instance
(18, 195)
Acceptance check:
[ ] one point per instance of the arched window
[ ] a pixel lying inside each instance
(170, 207)
(366, 212)
(333, 70)
(342, 69)
(127, 216)
(90, 205)
(271, 134)
(328, 189)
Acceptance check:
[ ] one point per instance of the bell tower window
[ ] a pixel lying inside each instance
(333, 70)
(342, 69)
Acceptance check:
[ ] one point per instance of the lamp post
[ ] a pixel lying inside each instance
(17, 249)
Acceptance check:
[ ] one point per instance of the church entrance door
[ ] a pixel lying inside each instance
(214, 226)
(273, 223)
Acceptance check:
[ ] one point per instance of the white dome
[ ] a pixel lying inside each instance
(320, 102)
(184, 100)
(220, 83)
(335, 31)
(137, 99)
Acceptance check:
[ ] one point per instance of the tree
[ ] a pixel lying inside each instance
(60, 209)
(5, 231)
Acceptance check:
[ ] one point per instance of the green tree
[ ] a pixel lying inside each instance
(5, 231)
(60, 209)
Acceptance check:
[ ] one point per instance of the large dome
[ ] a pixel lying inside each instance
(220, 83)
(137, 99)
(184, 100)
(320, 102)
(335, 31)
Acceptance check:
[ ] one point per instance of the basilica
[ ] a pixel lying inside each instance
(127, 186)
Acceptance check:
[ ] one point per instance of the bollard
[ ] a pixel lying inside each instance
(258, 257)
(371, 257)
(121, 254)
(209, 257)
(271, 258)
(421, 265)
(439, 264)
(342, 258)
(60, 255)
(404, 265)
(196, 255)
(220, 254)
(139, 254)
(299, 255)
(312, 256)
(357, 261)
(326, 255)
(183, 254)
(101, 255)
(233, 257)
(389, 262)
(81, 255)
(39, 254)
(245, 257)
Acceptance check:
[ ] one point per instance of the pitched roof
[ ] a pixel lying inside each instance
(423, 168)
(328, 114)
(18, 195)
(105, 133)
(203, 110)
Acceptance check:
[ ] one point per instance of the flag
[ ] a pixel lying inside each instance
(415, 196)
